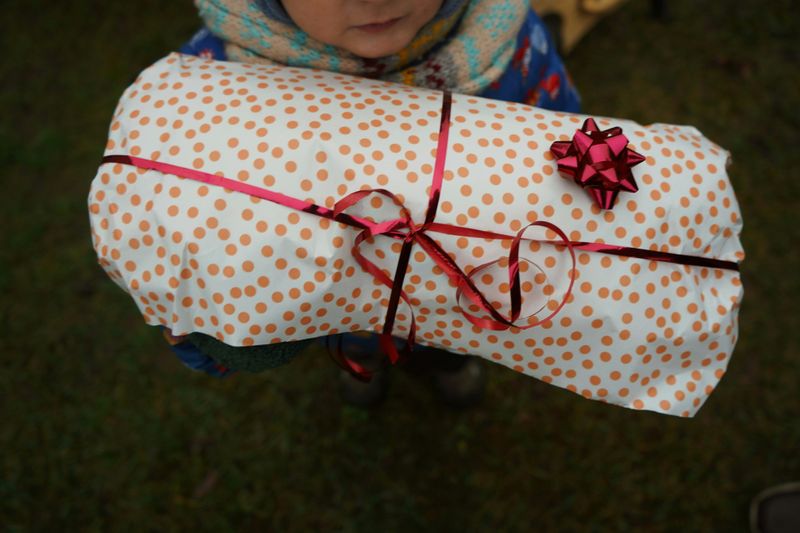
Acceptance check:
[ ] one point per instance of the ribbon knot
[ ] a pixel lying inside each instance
(404, 228)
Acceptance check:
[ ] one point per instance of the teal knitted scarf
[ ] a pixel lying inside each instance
(464, 49)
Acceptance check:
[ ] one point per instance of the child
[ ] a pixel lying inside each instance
(494, 48)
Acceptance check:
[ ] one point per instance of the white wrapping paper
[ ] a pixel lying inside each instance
(196, 257)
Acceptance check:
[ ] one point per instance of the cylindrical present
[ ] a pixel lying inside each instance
(202, 257)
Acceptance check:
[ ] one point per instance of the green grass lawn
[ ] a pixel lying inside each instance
(103, 429)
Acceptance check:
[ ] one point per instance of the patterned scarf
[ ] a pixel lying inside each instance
(466, 47)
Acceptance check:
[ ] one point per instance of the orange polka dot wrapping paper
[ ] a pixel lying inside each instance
(196, 257)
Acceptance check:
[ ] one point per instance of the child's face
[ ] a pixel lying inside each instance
(366, 28)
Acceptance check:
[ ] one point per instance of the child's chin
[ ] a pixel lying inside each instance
(375, 50)
(374, 55)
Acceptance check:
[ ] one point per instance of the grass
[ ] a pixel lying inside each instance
(103, 429)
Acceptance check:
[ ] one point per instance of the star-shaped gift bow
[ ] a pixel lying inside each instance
(599, 161)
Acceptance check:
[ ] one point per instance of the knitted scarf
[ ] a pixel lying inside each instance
(463, 49)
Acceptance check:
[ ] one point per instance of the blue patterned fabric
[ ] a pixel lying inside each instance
(535, 76)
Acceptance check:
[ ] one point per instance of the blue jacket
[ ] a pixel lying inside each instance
(535, 76)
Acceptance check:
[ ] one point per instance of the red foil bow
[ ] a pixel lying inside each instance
(599, 161)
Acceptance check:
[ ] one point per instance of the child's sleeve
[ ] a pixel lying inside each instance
(205, 44)
(248, 358)
(192, 357)
(206, 354)
(536, 75)
(201, 352)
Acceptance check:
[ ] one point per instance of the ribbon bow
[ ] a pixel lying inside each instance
(406, 229)
(599, 161)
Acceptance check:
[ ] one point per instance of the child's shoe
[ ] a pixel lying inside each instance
(363, 394)
(464, 386)
(459, 380)
(363, 348)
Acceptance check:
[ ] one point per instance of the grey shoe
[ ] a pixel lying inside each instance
(365, 394)
(464, 386)
(361, 348)
(776, 510)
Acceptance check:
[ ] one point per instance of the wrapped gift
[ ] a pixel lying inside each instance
(262, 204)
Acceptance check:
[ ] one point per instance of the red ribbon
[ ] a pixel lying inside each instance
(405, 229)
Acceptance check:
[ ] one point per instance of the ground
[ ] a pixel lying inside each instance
(103, 429)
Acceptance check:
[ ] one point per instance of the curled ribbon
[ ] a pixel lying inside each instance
(412, 233)
(405, 228)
